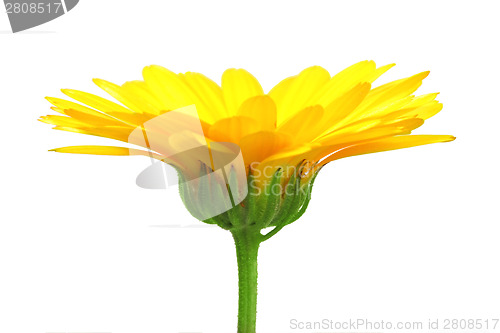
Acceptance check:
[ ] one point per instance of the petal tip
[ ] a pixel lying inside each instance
(50, 99)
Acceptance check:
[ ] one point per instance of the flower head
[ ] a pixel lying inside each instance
(285, 136)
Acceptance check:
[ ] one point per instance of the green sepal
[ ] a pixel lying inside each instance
(218, 194)
(236, 214)
(186, 195)
(305, 200)
(250, 202)
(203, 195)
(291, 200)
(270, 201)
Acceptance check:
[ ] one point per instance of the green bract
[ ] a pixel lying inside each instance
(276, 204)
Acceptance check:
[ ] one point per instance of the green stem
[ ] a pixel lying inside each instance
(247, 243)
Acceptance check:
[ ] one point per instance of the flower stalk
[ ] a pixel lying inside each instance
(247, 242)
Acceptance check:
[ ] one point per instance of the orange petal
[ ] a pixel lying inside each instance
(233, 129)
(258, 146)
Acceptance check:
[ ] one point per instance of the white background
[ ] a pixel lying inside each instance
(404, 235)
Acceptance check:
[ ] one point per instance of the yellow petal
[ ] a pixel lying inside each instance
(429, 110)
(303, 127)
(212, 107)
(378, 72)
(299, 92)
(139, 89)
(111, 132)
(344, 81)
(132, 95)
(387, 144)
(343, 106)
(94, 101)
(94, 120)
(62, 121)
(370, 130)
(392, 91)
(238, 85)
(424, 106)
(260, 108)
(103, 150)
(168, 87)
(278, 92)
(385, 99)
(119, 118)
(339, 84)
(88, 115)
(64, 105)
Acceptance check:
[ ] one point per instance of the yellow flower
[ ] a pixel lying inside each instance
(285, 137)
(310, 117)
(304, 122)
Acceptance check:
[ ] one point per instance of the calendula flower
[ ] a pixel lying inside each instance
(283, 138)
